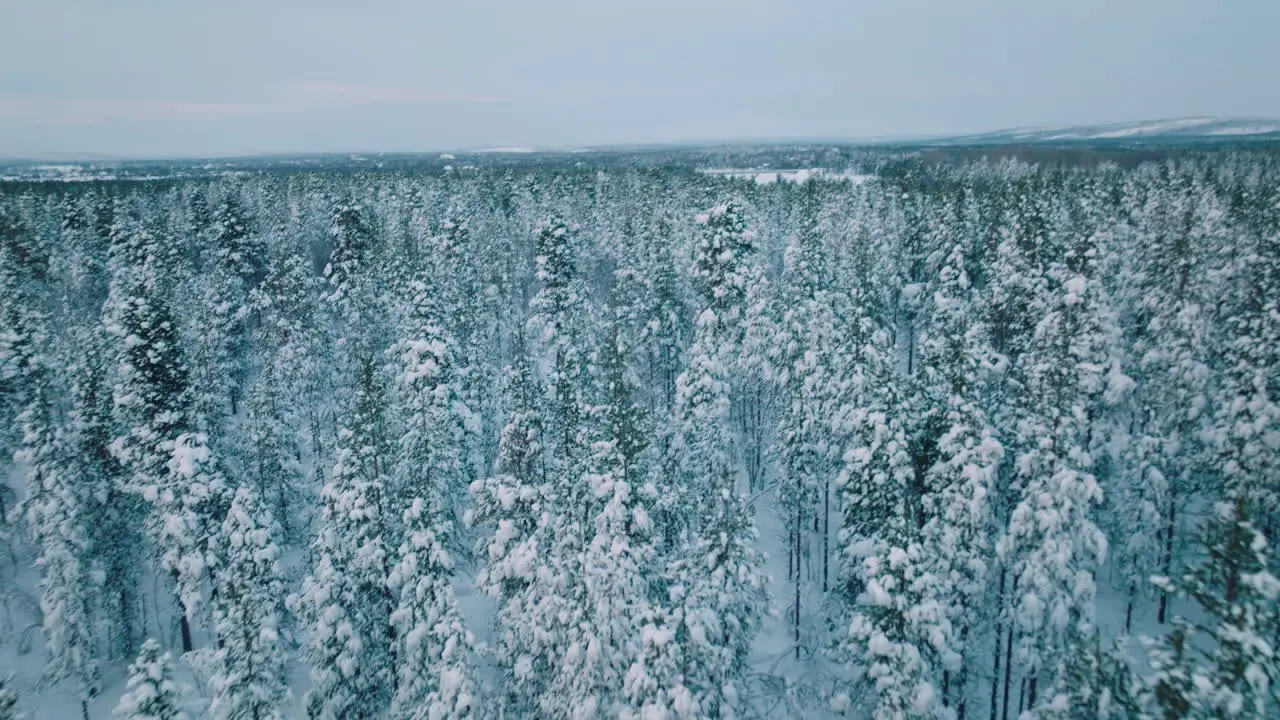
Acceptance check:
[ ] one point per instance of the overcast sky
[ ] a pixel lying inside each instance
(181, 77)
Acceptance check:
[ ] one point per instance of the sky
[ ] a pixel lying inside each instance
(162, 78)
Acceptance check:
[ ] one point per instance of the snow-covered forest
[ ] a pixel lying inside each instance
(930, 436)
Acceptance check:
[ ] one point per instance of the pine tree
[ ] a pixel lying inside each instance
(352, 278)
(619, 554)
(115, 517)
(542, 617)
(720, 590)
(346, 599)
(236, 247)
(558, 325)
(59, 515)
(654, 684)
(806, 342)
(882, 573)
(515, 502)
(1225, 665)
(959, 485)
(1053, 546)
(150, 399)
(434, 650)
(249, 614)
(152, 693)
(1248, 426)
(429, 463)
(283, 400)
(716, 580)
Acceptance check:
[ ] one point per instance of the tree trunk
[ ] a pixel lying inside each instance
(798, 531)
(185, 624)
(1168, 562)
(995, 675)
(1128, 610)
(826, 534)
(1008, 672)
(995, 665)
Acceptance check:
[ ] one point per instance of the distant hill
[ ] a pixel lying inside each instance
(1176, 129)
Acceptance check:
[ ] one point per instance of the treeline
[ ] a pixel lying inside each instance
(313, 407)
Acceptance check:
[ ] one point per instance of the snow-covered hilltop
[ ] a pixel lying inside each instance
(1175, 129)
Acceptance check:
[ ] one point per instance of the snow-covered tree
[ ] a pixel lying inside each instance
(152, 692)
(346, 600)
(558, 324)
(59, 514)
(1053, 545)
(720, 589)
(882, 570)
(115, 517)
(1248, 426)
(429, 462)
(515, 503)
(619, 555)
(170, 468)
(250, 680)
(960, 484)
(716, 579)
(1226, 663)
(806, 344)
(434, 650)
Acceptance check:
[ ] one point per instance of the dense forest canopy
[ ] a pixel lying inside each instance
(939, 434)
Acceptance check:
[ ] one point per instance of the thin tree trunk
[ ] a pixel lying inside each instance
(183, 622)
(995, 675)
(995, 669)
(962, 677)
(1008, 672)
(1168, 561)
(185, 625)
(798, 531)
(1128, 610)
(826, 533)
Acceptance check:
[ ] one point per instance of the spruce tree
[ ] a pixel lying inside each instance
(150, 392)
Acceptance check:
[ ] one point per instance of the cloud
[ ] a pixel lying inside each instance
(84, 111)
(293, 99)
(349, 94)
